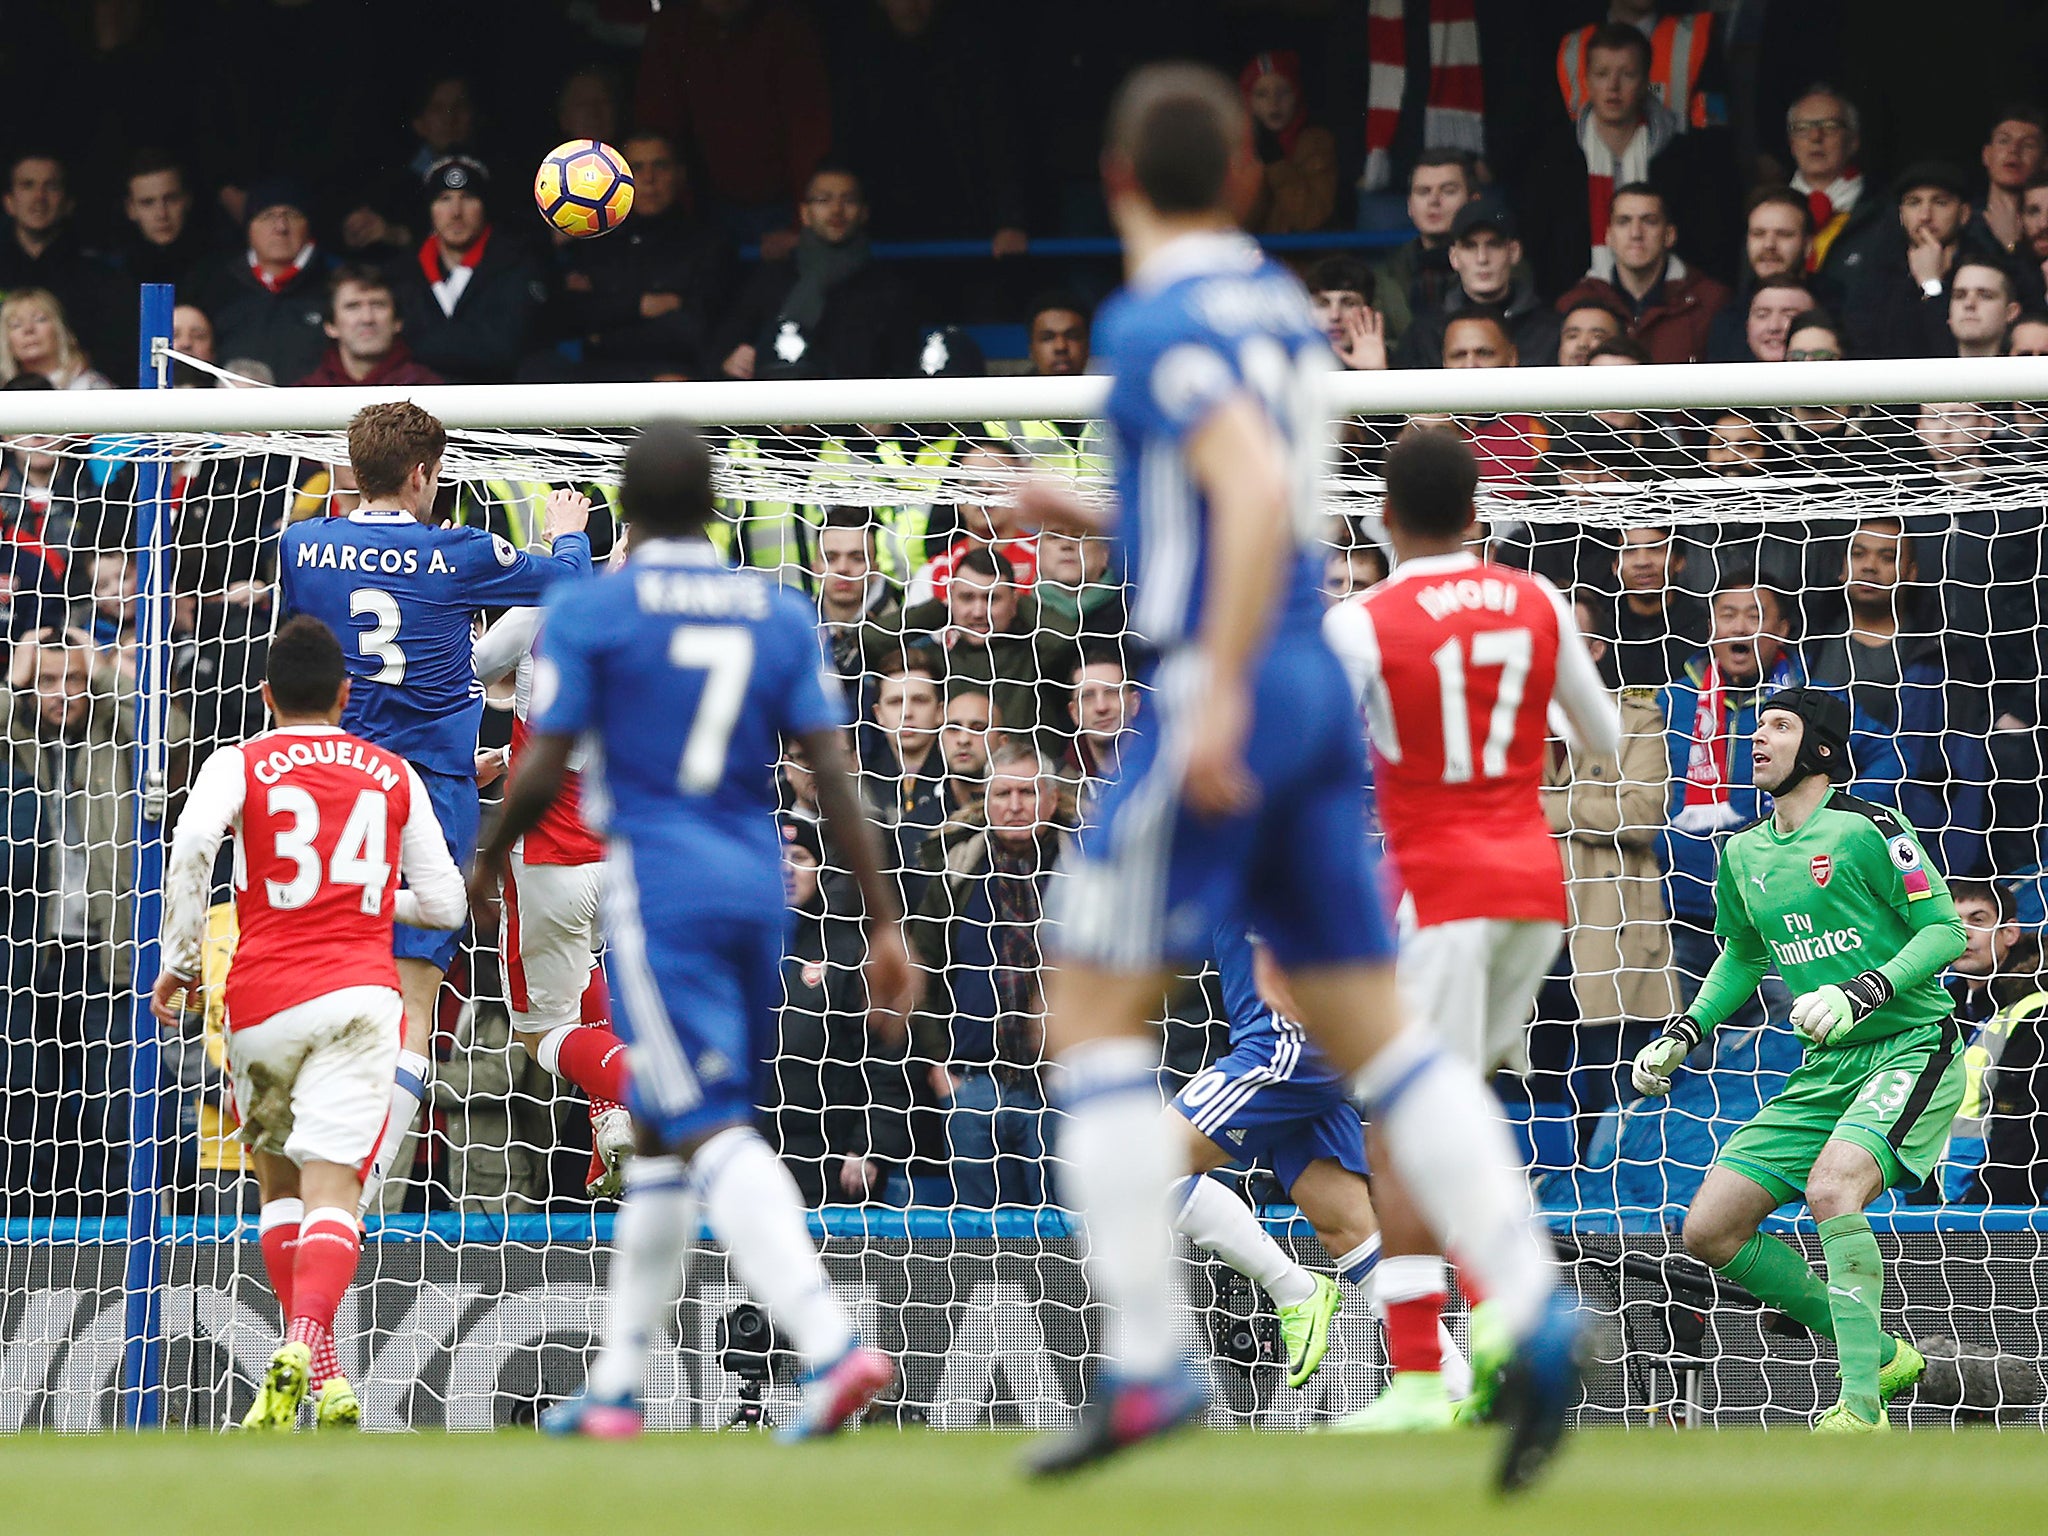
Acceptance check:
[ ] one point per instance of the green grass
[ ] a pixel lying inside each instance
(1736, 1483)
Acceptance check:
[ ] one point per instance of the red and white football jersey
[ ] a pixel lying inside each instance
(1455, 662)
(324, 824)
(561, 836)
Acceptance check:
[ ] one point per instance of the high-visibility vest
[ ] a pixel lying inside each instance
(1678, 51)
(517, 509)
(772, 536)
(1050, 448)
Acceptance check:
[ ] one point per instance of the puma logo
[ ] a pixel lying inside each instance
(1758, 881)
(1853, 1293)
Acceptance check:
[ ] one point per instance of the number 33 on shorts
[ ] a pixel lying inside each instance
(1886, 1092)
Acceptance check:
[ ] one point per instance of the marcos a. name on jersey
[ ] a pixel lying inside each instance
(401, 596)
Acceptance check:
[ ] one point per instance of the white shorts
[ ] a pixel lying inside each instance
(1474, 984)
(313, 1082)
(548, 937)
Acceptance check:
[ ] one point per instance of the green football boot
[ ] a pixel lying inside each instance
(1844, 1420)
(336, 1407)
(1900, 1373)
(284, 1388)
(1414, 1403)
(1305, 1329)
(1492, 1347)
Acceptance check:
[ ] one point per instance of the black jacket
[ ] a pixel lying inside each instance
(98, 305)
(866, 331)
(665, 253)
(496, 323)
(1532, 324)
(283, 329)
(1886, 312)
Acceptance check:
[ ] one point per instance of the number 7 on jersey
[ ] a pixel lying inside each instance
(724, 653)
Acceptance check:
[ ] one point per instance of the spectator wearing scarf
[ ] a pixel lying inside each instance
(472, 298)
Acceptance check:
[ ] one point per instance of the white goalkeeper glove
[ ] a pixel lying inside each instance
(1655, 1062)
(1828, 1012)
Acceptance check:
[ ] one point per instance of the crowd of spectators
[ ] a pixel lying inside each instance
(1662, 197)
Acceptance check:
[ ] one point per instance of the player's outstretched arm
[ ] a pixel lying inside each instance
(1042, 502)
(501, 648)
(893, 982)
(536, 783)
(1238, 459)
(210, 809)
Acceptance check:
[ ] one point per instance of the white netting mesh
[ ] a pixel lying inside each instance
(1895, 551)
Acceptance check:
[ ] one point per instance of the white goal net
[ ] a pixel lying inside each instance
(1724, 530)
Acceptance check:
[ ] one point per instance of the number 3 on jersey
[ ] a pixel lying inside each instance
(1511, 650)
(724, 653)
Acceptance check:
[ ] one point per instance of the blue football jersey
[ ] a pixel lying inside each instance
(402, 597)
(1207, 319)
(1251, 1017)
(682, 676)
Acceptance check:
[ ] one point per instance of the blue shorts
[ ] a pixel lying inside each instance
(1272, 1100)
(1153, 880)
(453, 797)
(697, 997)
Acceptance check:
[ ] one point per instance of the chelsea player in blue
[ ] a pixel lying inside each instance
(1243, 790)
(402, 595)
(685, 676)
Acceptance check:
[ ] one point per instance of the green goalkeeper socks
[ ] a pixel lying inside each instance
(1856, 1291)
(1771, 1270)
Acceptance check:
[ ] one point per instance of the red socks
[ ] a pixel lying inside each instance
(277, 1232)
(594, 1059)
(329, 1245)
(1410, 1290)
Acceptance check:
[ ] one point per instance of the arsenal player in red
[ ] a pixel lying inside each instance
(325, 826)
(548, 931)
(1456, 661)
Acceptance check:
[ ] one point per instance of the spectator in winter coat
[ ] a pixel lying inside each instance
(1625, 135)
(472, 299)
(1845, 212)
(1670, 307)
(41, 250)
(828, 311)
(1878, 637)
(1896, 303)
(643, 297)
(1486, 249)
(165, 244)
(1298, 159)
(1606, 810)
(842, 1107)
(1777, 239)
(1415, 278)
(362, 318)
(268, 301)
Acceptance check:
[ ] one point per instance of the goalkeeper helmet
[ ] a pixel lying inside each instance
(1824, 743)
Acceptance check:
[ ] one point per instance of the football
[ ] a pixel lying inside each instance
(584, 188)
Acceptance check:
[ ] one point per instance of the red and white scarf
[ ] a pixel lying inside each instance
(1706, 770)
(288, 276)
(446, 279)
(1452, 116)
(1605, 170)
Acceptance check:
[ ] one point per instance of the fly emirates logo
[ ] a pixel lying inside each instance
(1808, 944)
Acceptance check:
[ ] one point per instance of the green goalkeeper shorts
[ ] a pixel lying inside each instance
(1894, 1097)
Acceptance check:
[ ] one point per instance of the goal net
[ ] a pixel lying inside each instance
(1724, 530)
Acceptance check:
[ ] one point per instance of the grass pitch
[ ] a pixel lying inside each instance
(1733, 1483)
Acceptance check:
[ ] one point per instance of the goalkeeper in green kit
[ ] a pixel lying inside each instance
(1838, 894)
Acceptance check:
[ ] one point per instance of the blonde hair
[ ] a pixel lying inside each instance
(71, 360)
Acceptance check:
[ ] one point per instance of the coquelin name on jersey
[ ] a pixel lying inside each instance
(302, 754)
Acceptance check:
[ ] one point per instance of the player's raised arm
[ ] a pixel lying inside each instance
(501, 648)
(210, 810)
(500, 576)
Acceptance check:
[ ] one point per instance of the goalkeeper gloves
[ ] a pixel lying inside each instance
(1655, 1062)
(1828, 1012)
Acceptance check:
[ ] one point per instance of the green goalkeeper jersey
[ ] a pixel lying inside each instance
(1851, 891)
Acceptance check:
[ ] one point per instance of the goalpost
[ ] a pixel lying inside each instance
(143, 527)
